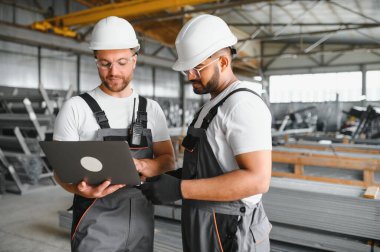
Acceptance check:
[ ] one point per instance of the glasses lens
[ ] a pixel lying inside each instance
(122, 62)
(103, 64)
(192, 71)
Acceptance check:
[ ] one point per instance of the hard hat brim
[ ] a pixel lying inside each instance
(94, 47)
(191, 63)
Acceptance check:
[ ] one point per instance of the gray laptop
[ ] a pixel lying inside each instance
(92, 161)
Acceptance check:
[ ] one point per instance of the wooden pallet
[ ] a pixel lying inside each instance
(299, 159)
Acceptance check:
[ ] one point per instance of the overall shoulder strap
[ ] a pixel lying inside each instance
(196, 117)
(214, 110)
(99, 114)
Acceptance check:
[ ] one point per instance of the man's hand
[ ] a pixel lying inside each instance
(141, 167)
(162, 189)
(89, 191)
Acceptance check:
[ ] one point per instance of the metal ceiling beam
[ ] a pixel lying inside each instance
(314, 69)
(23, 7)
(311, 12)
(292, 55)
(377, 41)
(309, 8)
(302, 24)
(296, 35)
(123, 9)
(309, 56)
(333, 59)
(355, 12)
(180, 14)
(333, 11)
(320, 41)
(22, 35)
(376, 53)
(270, 62)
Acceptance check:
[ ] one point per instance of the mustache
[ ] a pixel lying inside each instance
(195, 81)
(114, 76)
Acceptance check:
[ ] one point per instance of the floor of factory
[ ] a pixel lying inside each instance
(29, 223)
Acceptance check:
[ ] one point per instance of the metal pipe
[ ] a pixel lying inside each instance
(320, 41)
(78, 74)
(39, 65)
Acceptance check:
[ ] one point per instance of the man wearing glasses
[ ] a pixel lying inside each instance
(227, 162)
(112, 217)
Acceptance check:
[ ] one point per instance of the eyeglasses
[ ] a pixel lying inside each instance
(120, 63)
(197, 71)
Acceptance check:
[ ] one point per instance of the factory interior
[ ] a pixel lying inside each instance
(315, 63)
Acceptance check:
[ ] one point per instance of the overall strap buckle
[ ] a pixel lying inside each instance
(101, 117)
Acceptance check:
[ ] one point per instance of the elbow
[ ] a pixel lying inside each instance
(263, 185)
(264, 188)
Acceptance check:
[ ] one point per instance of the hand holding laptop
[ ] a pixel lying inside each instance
(99, 191)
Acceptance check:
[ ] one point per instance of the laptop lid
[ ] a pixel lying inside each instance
(92, 161)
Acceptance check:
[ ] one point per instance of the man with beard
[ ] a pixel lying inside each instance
(227, 160)
(113, 217)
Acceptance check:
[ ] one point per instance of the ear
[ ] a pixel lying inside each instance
(134, 61)
(224, 62)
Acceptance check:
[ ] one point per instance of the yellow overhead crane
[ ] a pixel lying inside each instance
(61, 24)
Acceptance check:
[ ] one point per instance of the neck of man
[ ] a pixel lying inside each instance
(224, 83)
(126, 92)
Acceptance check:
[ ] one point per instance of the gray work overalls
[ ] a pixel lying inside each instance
(123, 220)
(217, 226)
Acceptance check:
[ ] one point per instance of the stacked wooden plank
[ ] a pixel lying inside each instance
(342, 167)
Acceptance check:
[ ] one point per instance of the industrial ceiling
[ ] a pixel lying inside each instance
(320, 31)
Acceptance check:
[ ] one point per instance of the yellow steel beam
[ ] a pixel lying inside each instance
(124, 9)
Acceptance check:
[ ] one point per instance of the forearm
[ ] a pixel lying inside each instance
(227, 187)
(158, 165)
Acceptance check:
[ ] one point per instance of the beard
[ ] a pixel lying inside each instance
(116, 83)
(210, 86)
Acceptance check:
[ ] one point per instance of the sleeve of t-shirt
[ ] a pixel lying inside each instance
(160, 130)
(248, 126)
(65, 125)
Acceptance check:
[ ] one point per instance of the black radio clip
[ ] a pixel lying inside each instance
(136, 129)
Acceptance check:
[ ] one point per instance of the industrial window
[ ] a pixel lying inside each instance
(373, 85)
(316, 87)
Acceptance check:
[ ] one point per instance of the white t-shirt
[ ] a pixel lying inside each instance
(76, 121)
(242, 124)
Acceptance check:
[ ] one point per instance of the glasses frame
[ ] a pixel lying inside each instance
(111, 64)
(198, 70)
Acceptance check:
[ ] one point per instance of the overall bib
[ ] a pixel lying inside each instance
(123, 220)
(217, 226)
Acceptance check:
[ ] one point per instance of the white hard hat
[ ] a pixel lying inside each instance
(113, 33)
(200, 38)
